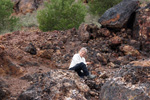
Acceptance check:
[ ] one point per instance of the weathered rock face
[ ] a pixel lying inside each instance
(4, 92)
(56, 85)
(129, 50)
(141, 29)
(119, 15)
(131, 82)
(7, 67)
(26, 6)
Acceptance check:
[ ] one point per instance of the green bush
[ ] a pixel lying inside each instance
(61, 15)
(98, 7)
(6, 20)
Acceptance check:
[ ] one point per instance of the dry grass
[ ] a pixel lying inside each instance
(144, 1)
(28, 20)
(92, 19)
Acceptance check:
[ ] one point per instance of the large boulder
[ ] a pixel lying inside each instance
(141, 28)
(119, 15)
(56, 85)
(130, 83)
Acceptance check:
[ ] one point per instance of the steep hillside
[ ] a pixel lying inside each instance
(34, 64)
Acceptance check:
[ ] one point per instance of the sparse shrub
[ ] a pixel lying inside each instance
(6, 20)
(98, 7)
(61, 15)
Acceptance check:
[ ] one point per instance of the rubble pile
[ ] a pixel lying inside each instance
(34, 64)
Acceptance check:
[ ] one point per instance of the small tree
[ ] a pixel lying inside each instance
(98, 7)
(6, 20)
(61, 15)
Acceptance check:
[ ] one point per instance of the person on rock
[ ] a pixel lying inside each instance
(79, 64)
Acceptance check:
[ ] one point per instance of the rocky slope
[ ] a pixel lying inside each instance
(34, 64)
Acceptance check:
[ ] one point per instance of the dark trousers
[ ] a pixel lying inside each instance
(81, 69)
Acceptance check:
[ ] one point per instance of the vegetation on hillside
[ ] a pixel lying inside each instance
(61, 15)
(98, 7)
(7, 22)
(56, 14)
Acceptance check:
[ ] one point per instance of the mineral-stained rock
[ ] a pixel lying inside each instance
(129, 50)
(104, 32)
(143, 63)
(45, 53)
(56, 85)
(141, 28)
(131, 82)
(7, 67)
(115, 41)
(4, 92)
(119, 15)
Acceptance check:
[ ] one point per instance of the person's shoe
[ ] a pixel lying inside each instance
(91, 76)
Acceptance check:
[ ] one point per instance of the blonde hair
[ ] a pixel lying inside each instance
(83, 49)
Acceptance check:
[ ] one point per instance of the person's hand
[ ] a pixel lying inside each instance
(89, 63)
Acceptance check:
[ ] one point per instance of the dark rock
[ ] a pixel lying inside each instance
(102, 58)
(128, 83)
(27, 77)
(4, 92)
(136, 44)
(28, 63)
(93, 85)
(114, 91)
(104, 32)
(141, 29)
(118, 16)
(93, 30)
(146, 47)
(31, 49)
(55, 85)
(105, 49)
(87, 32)
(46, 46)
